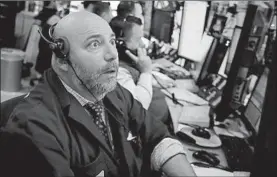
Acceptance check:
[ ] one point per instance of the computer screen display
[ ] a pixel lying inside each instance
(162, 25)
(192, 29)
(254, 108)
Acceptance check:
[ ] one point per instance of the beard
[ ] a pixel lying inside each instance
(93, 81)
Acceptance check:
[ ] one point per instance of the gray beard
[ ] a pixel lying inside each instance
(92, 83)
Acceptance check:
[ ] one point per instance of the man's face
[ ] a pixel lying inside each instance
(94, 56)
(134, 40)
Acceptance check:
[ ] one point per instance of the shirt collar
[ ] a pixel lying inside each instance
(83, 101)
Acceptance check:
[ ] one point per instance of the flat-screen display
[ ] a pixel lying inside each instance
(192, 29)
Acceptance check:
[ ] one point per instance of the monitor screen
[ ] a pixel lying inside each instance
(192, 29)
(254, 108)
(162, 25)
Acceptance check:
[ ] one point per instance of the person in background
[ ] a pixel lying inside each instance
(47, 17)
(100, 8)
(8, 13)
(124, 9)
(80, 122)
(135, 71)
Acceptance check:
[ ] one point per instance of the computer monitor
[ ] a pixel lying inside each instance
(254, 108)
(162, 25)
(246, 53)
(192, 29)
(264, 161)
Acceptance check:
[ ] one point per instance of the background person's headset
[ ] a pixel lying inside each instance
(60, 46)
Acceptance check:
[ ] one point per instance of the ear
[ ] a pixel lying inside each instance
(63, 65)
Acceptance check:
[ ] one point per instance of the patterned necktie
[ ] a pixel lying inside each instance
(97, 113)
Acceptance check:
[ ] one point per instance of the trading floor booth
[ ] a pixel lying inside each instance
(227, 57)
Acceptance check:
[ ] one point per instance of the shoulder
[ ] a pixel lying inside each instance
(33, 115)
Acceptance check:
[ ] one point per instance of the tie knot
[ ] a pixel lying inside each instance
(94, 108)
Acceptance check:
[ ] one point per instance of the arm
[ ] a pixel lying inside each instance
(142, 91)
(169, 157)
(156, 142)
(178, 166)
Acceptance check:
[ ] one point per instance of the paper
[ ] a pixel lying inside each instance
(200, 171)
(197, 115)
(187, 96)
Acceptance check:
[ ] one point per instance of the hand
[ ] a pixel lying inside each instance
(142, 61)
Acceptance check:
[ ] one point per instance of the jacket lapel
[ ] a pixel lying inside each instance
(74, 110)
(81, 116)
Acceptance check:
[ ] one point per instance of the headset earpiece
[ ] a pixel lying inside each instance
(60, 47)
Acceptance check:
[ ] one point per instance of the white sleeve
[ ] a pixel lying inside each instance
(164, 151)
(143, 91)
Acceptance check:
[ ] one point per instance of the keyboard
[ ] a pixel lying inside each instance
(238, 153)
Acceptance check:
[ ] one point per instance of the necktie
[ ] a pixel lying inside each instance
(97, 113)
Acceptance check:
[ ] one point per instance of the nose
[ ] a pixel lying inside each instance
(111, 53)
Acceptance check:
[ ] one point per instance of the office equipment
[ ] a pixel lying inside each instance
(206, 157)
(218, 55)
(253, 110)
(185, 133)
(191, 32)
(203, 67)
(264, 161)
(252, 32)
(174, 74)
(238, 153)
(162, 31)
(201, 132)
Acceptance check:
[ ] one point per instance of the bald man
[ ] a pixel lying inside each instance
(80, 122)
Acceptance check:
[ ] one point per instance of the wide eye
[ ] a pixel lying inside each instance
(94, 44)
(112, 41)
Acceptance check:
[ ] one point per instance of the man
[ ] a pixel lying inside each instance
(135, 71)
(100, 8)
(79, 122)
(124, 9)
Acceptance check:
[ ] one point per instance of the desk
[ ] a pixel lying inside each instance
(175, 111)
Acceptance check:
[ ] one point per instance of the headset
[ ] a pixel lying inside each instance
(60, 46)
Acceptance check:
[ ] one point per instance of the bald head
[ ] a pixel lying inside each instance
(92, 53)
(78, 23)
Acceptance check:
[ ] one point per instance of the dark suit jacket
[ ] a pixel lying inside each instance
(50, 134)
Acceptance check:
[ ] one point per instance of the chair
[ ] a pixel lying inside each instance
(7, 107)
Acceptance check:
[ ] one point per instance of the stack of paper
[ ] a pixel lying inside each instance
(196, 115)
(186, 96)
